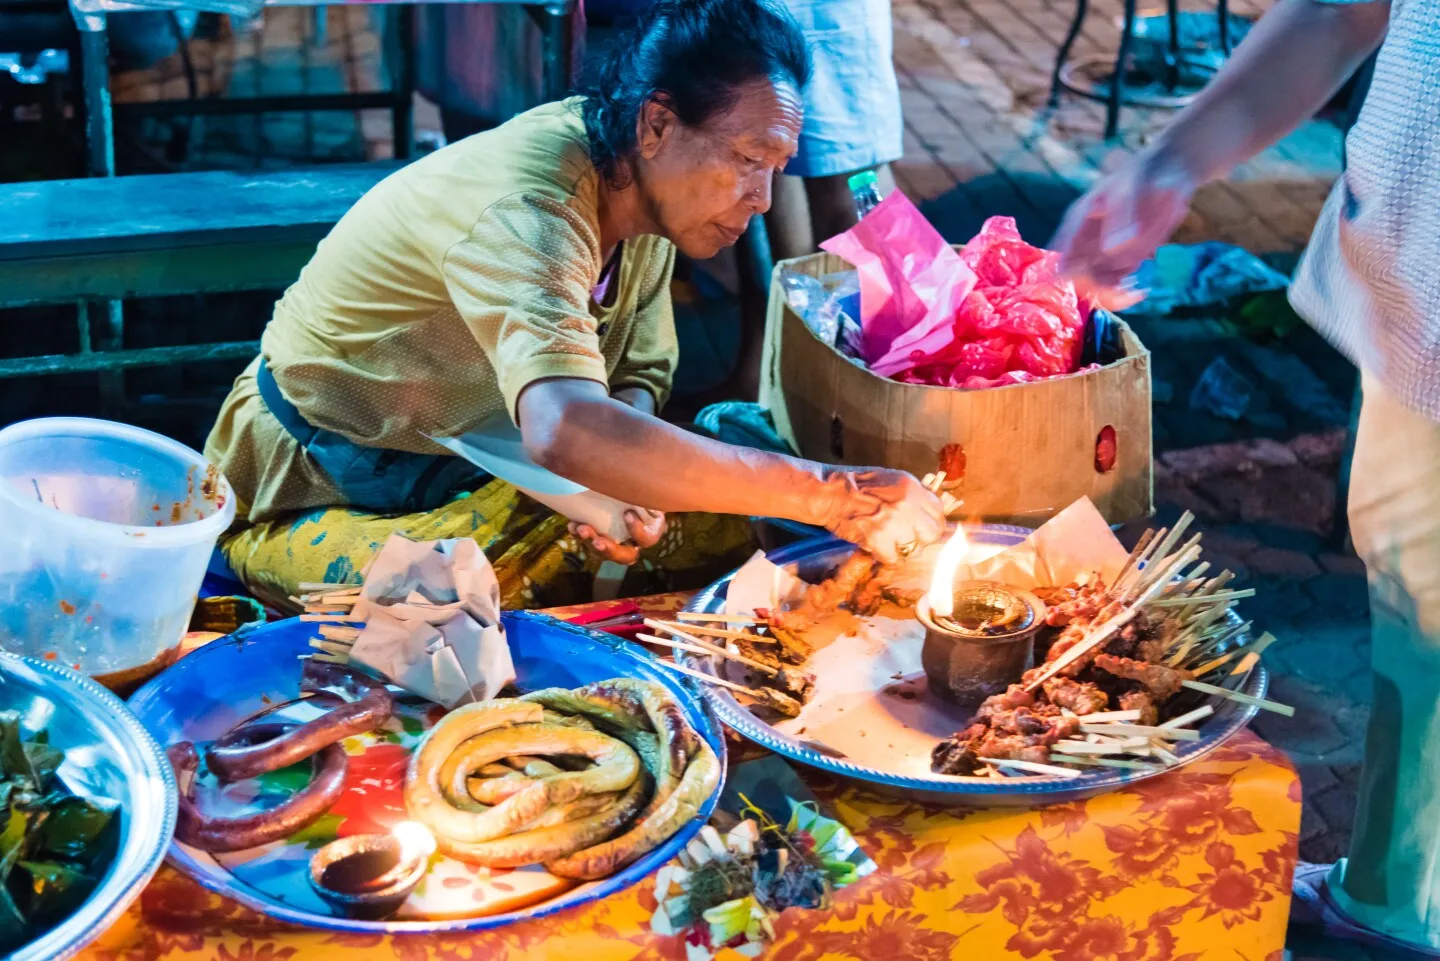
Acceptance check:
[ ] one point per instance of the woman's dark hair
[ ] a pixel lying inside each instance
(693, 56)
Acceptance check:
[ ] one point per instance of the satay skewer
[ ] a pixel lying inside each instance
(1102, 633)
(702, 617)
(715, 632)
(696, 646)
(711, 679)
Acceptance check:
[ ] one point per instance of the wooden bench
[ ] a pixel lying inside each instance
(98, 241)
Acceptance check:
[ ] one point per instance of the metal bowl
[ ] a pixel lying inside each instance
(811, 560)
(109, 755)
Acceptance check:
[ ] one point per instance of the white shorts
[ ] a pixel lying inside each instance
(852, 104)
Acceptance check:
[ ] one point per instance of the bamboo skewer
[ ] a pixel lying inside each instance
(1239, 698)
(331, 648)
(1120, 763)
(1166, 544)
(700, 647)
(1033, 767)
(1202, 600)
(714, 631)
(1100, 636)
(1134, 557)
(712, 652)
(1164, 753)
(1122, 583)
(1251, 655)
(1214, 585)
(1101, 717)
(711, 679)
(692, 639)
(1141, 730)
(704, 617)
(1189, 717)
(1085, 747)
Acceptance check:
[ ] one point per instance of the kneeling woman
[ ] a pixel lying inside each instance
(526, 271)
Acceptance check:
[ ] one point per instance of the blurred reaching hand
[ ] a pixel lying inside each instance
(1119, 223)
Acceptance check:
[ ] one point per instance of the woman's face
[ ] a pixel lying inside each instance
(701, 185)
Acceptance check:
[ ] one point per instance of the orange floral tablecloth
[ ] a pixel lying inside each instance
(1193, 865)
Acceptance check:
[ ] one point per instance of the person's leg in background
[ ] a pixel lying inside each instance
(1391, 881)
(807, 210)
(852, 123)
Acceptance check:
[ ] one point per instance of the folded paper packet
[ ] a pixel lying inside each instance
(431, 611)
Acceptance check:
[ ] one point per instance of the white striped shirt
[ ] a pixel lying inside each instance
(1370, 279)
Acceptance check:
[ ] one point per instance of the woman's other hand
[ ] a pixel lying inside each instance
(646, 528)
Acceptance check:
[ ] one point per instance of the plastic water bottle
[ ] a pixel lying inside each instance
(865, 188)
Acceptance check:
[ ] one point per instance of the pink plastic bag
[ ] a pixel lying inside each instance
(911, 280)
(997, 313)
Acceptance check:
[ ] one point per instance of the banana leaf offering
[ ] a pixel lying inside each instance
(54, 845)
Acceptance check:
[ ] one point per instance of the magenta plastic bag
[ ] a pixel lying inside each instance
(998, 312)
(911, 280)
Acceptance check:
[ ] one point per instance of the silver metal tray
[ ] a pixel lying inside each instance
(812, 560)
(108, 755)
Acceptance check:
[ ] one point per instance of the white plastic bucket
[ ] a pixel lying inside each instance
(105, 534)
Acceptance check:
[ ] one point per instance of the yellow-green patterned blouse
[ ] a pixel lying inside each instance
(451, 286)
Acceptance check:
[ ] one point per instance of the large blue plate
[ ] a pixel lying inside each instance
(811, 560)
(206, 693)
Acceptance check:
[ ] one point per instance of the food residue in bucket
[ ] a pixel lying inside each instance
(67, 608)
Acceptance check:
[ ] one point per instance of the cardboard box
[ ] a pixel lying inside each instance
(1029, 449)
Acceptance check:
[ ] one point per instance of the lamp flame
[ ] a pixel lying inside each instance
(942, 582)
(415, 839)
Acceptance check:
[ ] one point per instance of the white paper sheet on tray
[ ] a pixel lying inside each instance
(871, 702)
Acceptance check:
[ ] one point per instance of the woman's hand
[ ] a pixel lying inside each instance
(646, 528)
(1108, 232)
(885, 512)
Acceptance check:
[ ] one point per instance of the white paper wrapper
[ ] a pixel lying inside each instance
(760, 583)
(432, 621)
(1074, 543)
